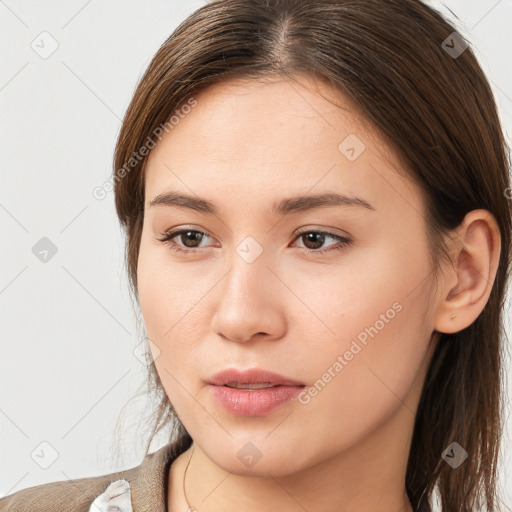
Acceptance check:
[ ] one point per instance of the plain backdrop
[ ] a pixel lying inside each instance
(70, 351)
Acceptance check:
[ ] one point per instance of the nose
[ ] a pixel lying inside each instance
(249, 307)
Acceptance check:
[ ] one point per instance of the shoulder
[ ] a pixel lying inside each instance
(123, 489)
(68, 495)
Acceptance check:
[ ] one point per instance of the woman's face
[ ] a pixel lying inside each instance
(352, 323)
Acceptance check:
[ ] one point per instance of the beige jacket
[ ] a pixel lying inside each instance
(146, 492)
(139, 489)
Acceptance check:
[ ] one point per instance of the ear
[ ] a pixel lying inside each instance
(467, 284)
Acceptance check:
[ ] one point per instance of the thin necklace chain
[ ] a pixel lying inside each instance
(190, 509)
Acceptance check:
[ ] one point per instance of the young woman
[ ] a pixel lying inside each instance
(317, 206)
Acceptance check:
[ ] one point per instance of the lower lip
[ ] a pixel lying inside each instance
(256, 402)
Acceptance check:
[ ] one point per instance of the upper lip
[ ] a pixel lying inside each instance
(251, 376)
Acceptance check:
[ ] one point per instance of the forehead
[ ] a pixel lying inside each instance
(261, 137)
(259, 115)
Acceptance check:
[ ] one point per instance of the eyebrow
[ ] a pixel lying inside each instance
(285, 206)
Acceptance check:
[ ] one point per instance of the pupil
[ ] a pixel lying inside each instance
(311, 237)
(194, 235)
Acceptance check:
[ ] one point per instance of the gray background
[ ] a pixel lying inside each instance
(70, 353)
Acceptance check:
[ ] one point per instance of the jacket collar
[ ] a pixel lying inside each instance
(149, 481)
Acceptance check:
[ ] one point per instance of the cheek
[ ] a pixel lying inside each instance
(169, 296)
(363, 331)
(164, 290)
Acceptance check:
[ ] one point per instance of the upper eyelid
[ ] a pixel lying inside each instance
(175, 231)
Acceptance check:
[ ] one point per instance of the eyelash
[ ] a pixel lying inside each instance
(168, 236)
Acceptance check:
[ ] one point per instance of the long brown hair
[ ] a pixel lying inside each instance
(435, 107)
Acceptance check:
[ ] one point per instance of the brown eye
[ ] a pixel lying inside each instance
(316, 239)
(313, 240)
(190, 238)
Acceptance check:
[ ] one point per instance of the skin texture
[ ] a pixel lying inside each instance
(244, 146)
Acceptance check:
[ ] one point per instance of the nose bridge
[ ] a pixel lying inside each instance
(246, 304)
(248, 273)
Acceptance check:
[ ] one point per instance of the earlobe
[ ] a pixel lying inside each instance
(469, 278)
